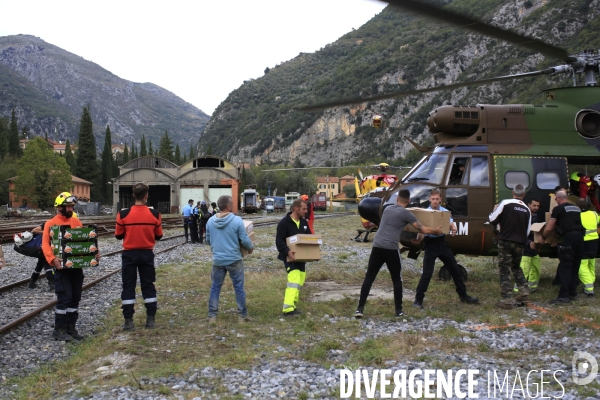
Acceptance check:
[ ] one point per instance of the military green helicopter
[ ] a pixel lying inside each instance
(482, 151)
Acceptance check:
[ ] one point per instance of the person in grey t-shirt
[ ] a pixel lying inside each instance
(385, 249)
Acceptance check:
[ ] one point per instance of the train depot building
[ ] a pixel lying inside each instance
(171, 186)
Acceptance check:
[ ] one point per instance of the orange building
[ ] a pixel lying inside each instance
(81, 189)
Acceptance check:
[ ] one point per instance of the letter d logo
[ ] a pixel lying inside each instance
(584, 363)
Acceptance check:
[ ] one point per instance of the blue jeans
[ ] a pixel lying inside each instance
(236, 273)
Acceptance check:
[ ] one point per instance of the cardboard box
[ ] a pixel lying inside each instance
(548, 216)
(430, 219)
(305, 247)
(243, 249)
(79, 248)
(80, 262)
(249, 225)
(78, 234)
(538, 229)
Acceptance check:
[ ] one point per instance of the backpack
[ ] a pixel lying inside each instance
(32, 248)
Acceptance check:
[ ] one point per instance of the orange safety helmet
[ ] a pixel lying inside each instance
(304, 197)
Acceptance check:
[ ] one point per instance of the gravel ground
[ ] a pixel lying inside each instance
(30, 346)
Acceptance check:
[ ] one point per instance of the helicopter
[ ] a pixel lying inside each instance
(481, 152)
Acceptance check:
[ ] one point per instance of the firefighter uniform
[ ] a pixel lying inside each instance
(139, 227)
(68, 282)
(296, 270)
(587, 269)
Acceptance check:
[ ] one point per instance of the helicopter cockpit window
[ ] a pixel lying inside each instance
(459, 173)
(547, 180)
(479, 175)
(431, 170)
(419, 196)
(511, 178)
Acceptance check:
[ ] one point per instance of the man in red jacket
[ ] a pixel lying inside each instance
(139, 227)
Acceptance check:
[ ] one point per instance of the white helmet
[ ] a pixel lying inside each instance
(597, 179)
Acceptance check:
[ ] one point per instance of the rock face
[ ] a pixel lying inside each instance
(48, 86)
(393, 52)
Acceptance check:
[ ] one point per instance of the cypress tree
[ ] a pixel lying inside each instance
(69, 157)
(125, 154)
(13, 137)
(134, 153)
(86, 162)
(165, 149)
(184, 159)
(177, 159)
(3, 137)
(150, 150)
(143, 149)
(107, 165)
(192, 156)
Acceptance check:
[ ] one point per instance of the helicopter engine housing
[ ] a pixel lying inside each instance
(587, 123)
(457, 120)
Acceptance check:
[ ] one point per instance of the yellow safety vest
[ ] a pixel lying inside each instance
(590, 221)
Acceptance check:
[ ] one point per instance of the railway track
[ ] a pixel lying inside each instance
(40, 302)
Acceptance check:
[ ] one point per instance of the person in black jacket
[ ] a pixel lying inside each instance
(530, 262)
(292, 224)
(566, 221)
(513, 220)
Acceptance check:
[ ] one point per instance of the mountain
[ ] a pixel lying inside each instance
(48, 87)
(394, 51)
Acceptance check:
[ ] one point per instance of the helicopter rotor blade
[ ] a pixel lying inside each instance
(462, 21)
(358, 100)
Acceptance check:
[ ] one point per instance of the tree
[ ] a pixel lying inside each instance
(184, 159)
(24, 133)
(107, 165)
(165, 149)
(86, 162)
(125, 154)
(177, 159)
(209, 150)
(69, 157)
(143, 150)
(13, 137)
(8, 169)
(41, 174)
(350, 190)
(192, 155)
(150, 150)
(3, 137)
(134, 152)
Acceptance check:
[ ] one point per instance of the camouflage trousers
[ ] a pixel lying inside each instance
(509, 260)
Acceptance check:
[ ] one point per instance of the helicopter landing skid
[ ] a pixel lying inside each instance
(365, 232)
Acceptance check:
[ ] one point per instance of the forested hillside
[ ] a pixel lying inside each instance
(48, 86)
(394, 51)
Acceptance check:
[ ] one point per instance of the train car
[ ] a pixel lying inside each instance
(319, 202)
(290, 197)
(274, 204)
(250, 201)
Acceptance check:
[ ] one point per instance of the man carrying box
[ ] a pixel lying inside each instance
(292, 224)
(530, 261)
(68, 282)
(385, 249)
(437, 247)
(513, 219)
(224, 233)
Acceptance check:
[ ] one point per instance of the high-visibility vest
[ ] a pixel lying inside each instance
(590, 221)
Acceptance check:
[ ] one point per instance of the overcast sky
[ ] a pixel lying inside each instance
(199, 50)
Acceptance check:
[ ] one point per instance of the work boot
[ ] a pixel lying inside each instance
(34, 278)
(506, 303)
(469, 299)
(72, 331)
(522, 298)
(60, 333)
(149, 322)
(128, 325)
(244, 318)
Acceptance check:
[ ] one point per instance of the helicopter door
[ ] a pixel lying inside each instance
(469, 193)
(540, 176)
